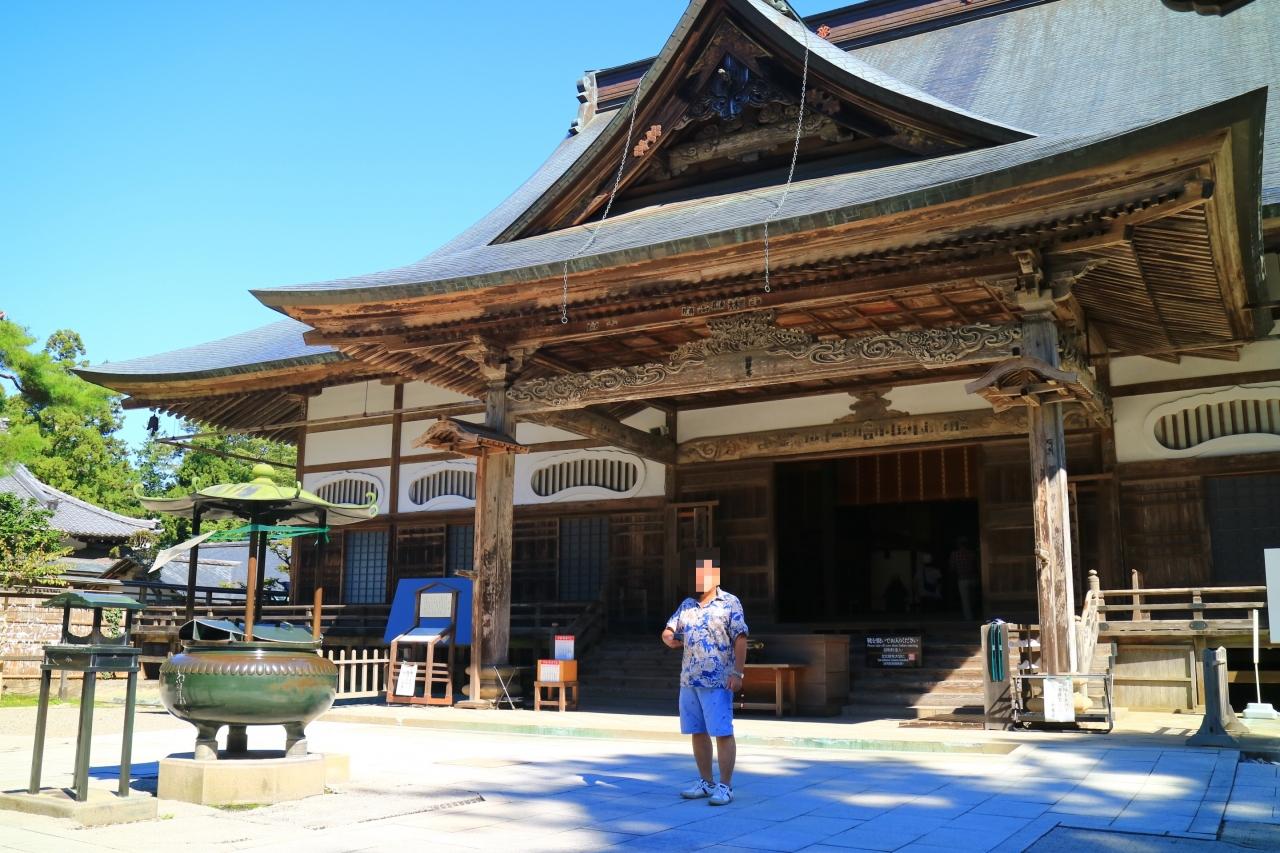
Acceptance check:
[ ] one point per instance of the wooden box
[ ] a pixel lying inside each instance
(557, 670)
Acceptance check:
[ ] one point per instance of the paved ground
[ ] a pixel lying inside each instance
(544, 793)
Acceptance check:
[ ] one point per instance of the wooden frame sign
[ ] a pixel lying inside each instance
(895, 651)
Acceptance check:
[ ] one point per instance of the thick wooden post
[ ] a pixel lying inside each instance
(1051, 510)
(491, 591)
(193, 564)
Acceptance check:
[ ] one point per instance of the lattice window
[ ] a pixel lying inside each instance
(1192, 426)
(350, 489)
(448, 482)
(459, 548)
(603, 472)
(365, 577)
(584, 557)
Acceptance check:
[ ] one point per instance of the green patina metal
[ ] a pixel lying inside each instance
(91, 600)
(249, 673)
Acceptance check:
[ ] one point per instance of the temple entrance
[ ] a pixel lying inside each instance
(892, 535)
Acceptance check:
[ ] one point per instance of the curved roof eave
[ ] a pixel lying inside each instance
(275, 346)
(931, 182)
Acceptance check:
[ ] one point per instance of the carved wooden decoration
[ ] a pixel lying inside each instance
(845, 435)
(454, 436)
(1033, 382)
(748, 350)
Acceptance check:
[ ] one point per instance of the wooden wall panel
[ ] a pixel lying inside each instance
(1165, 533)
(744, 531)
(1159, 677)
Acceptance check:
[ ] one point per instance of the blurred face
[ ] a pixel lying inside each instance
(706, 575)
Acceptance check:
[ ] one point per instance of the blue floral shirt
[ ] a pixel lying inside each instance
(708, 634)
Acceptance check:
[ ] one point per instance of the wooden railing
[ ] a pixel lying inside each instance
(1196, 609)
(1087, 624)
(358, 620)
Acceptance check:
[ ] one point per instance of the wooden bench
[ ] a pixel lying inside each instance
(784, 687)
(564, 694)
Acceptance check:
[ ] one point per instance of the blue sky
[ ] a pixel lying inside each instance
(158, 160)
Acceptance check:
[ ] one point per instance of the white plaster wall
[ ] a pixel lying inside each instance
(1135, 442)
(1259, 355)
(650, 481)
(355, 399)
(382, 475)
(646, 419)
(346, 445)
(823, 409)
(422, 394)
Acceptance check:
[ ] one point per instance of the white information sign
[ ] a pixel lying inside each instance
(1058, 707)
(1272, 556)
(564, 647)
(406, 679)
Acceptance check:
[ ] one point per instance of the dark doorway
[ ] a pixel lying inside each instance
(843, 557)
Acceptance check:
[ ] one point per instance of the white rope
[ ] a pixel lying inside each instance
(617, 180)
(795, 153)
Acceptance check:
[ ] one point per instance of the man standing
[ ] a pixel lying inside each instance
(713, 632)
(963, 563)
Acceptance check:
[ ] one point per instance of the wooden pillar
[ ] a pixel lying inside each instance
(1051, 511)
(193, 565)
(495, 493)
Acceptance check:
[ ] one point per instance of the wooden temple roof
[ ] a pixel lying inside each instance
(1148, 193)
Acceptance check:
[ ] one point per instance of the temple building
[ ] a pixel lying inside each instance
(921, 313)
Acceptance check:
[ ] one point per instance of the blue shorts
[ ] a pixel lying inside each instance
(706, 711)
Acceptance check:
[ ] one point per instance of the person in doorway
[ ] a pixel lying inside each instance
(713, 632)
(929, 585)
(963, 564)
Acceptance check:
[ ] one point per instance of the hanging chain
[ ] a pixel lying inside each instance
(795, 153)
(591, 237)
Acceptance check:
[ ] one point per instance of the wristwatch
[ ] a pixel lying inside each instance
(740, 674)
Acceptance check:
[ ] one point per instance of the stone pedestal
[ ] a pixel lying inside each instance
(256, 778)
(490, 689)
(100, 809)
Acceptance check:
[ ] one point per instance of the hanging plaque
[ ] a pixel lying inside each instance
(406, 679)
(894, 650)
(1058, 705)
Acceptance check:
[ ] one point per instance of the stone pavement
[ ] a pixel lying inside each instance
(453, 790)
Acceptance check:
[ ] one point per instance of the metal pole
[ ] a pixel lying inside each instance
(262, 574)
(322, 517)
(42, 718)
(193, 562)
(126, 746)
(250, 587)
(84, 738)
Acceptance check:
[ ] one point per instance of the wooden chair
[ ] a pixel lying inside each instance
(437, 619)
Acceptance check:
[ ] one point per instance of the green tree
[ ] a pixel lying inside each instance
(29, 545)
(60, 426)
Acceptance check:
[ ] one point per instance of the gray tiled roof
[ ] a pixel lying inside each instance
(1076, 72)
(70, 514)
(723, 220)
(278, 344)
(1083, 65)
(223, 564)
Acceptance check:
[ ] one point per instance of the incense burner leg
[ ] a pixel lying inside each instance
(237, 740)
(295, 740)
(206, 743)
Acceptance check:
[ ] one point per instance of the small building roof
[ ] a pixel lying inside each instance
(71, 515)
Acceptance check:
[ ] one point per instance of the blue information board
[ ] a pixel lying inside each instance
(403, 610)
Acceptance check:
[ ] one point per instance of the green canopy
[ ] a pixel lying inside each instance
(90, 600)
(263, 500)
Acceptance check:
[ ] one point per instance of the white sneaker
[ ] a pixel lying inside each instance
(698, 790)
(721, 796)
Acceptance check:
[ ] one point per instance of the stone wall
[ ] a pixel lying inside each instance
(25, 628)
